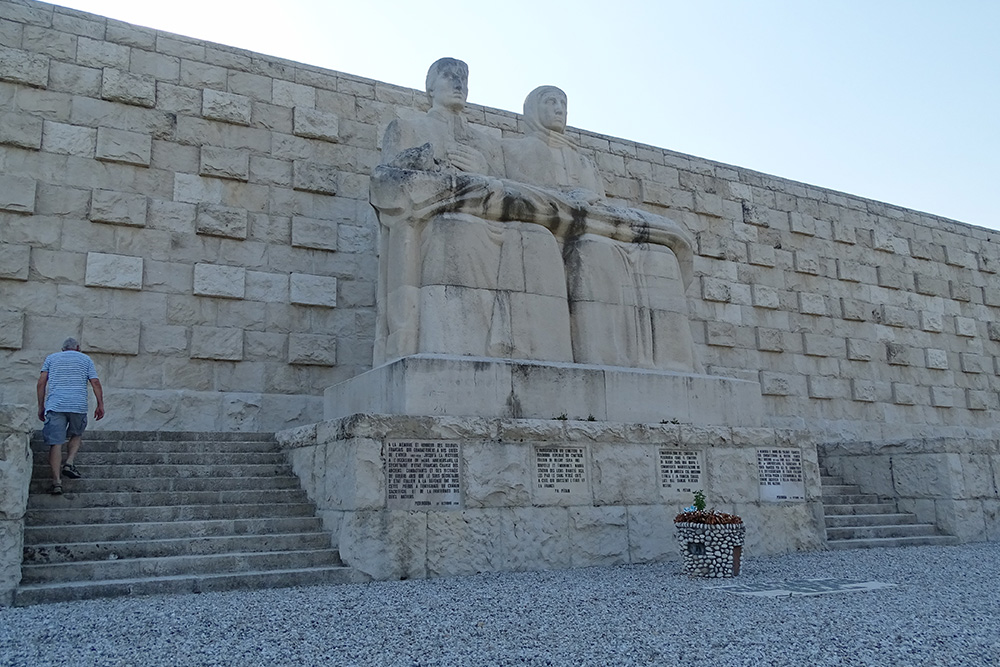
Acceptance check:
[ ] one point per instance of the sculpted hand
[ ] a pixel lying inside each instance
(468, 160)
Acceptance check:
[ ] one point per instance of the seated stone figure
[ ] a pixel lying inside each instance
(627, 270)
(460, 273)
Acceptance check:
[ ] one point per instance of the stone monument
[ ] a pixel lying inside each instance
(536, 401)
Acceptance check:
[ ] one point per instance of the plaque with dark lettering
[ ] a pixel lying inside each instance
(422, 475)
(560, 472)
(680, 474)
(781, 475)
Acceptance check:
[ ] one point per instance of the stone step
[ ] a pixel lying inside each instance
(87, 460)
(831, 480)
(161, 470)
(97, 499)
(159, 484)
(875, 542)
(83, 590)
(887, 519)
(91, 445)
(169, 566)
(850, 499)
(869, 532)
(150, 530)
(834, 490)
(858, 508)
(95, 435)
(74, 516)
(63, 552)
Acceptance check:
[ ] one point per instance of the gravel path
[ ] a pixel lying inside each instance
(944, 610)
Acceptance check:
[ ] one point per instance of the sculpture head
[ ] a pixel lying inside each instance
(448, 84)
(545, 107)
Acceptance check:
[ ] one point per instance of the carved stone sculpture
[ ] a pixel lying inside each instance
(536, 265)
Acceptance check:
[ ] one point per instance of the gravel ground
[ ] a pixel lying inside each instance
(944, 610)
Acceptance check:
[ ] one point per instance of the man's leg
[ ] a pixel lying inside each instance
(72, 448)
(55, 462)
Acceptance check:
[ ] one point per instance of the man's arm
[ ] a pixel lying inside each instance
(40, 392)
(99, 395)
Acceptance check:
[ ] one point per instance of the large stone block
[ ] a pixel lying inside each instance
(225, 107)
(221, 281)
(14, 261)
(222, 221)
(386, 544)
(311, 290)
(123, 146)
(114, 271)
(19, 66)
(121, 208)
(11, 329)
(17, 194)
(128, 88)
(225, 163)
(21, 130)
(314, 233)
(313, 124)
(111, 336)
(220, 343)
(313, 176)
(312, 349)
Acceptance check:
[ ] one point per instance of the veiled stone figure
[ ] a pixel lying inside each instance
(626, 290)
(460, 273)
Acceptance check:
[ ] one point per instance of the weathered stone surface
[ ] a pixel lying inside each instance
(315, 177)
(122, 208)
(221, 343)
(312, 290)
(24, 67)
(17, 194)
(14, 261)
(225, 163)
(114, 271)
(312, 349)
(314, 124)
(386, 544)
(128, 88)
(221, 281)
(314, 233)
(111, 336)
(123, 146)
(222, 221)
(225, 107)
(21, 130)
(11, 329)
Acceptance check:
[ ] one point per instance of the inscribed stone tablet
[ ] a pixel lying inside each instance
(680, 474)
(560, 472)
(423, 476)
(780, 475)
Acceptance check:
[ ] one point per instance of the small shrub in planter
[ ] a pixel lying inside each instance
(711, 542)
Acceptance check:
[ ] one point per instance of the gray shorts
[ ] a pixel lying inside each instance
(61, 426)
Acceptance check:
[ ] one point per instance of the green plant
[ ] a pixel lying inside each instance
(699, 500)
(697, 513)
(563, 417)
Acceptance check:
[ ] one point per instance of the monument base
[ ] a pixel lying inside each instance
(424, 496)
(427, 384)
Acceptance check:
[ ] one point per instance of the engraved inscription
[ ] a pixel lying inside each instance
(423, 475)
(780, 474)
(560, 470)
(680, 474)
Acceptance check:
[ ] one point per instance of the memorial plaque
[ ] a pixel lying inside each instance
(780, 475)
(680, 474)
(423, 475)
(560, 472)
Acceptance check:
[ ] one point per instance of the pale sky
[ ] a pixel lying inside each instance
(894, 100)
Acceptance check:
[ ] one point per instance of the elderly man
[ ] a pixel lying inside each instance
(62, 405)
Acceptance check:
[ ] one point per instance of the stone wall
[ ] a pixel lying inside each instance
(16, 423)
(197, 215)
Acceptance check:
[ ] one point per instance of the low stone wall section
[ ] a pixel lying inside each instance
(16, 425)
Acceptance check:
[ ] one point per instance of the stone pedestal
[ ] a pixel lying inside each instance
(428, 384)
(711, 550)
(432, 495)
(16, 424)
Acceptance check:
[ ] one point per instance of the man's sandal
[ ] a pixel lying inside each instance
(56, 490)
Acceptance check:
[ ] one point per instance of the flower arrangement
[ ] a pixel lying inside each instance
(697, 513)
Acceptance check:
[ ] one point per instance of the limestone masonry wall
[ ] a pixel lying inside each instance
(198, 216)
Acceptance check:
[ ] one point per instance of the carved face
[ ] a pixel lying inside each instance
(552, 111)
(449, 89)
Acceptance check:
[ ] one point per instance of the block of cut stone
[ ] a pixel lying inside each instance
(221, 281)
(123, 146)
(310, 290)
(111, 336)
(14, 261)
(114, 271)
(23, 67)
(122, 208)
(937, 359)
(314, 233)
(11, 329)
(315, 124)
(800, 223)
(220, 343)
(491, 387)
(314, 177)
(68, 139)
(312, 350)
(226, 107)
(221, 221)
(21, 130)
(127, 88)
(17, 194)
(225, 163)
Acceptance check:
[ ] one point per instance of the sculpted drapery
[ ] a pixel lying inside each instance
(509, 249)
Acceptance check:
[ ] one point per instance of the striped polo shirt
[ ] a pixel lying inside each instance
(69, 372)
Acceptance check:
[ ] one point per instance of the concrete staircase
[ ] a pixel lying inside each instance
(858, 521)
(172, 513)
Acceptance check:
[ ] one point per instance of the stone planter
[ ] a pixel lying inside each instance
(711, 550)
